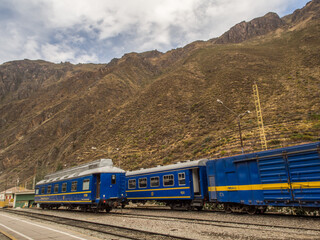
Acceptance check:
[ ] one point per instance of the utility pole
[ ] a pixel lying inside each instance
(34, 182)
(239, 116)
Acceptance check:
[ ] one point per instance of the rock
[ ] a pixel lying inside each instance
(247, 30)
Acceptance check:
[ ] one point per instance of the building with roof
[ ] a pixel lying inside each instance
(24, 199)
(7, 197)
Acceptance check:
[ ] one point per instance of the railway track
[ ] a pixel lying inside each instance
(167, 209)
(228, 224)
(237, 227)
(116, 231)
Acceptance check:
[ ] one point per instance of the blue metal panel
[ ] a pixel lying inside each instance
(243, 176)
(212, 182)
(162, 192)
(273, 170)
(203, 182)
(80, 196)
(257, 196)
(282, 177)
(220, 179)
(304, 168)
(110, 189)
(231, 179)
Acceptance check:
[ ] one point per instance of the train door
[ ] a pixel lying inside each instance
(275, 178)
(196, 182)
(304, 169)
(211, 173)
(98, 183)
(292, 175)
(113, 190)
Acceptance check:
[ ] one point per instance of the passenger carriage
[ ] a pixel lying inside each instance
(285, 177)
(181, 185)
(97, 186)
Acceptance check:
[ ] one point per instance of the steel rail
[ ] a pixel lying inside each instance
(118, 231)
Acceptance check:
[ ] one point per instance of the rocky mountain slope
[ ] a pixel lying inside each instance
(156, 108)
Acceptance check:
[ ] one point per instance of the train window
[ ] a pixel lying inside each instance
(142, 182)
(113, 179)
(64, 187)
(132, 184)
(74, 186)
(86, 184)
(56, 188)
(42, 190)
(168, 180)
(37, 191)
(182, 178)
(49, 189)
(154, 182)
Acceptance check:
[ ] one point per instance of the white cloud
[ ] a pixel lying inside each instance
(98, 30)
(57, 52)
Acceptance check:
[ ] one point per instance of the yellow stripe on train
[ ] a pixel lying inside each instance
(64, 201)
(271, 186)
(59, 194)
(158, 197)
(157, 189)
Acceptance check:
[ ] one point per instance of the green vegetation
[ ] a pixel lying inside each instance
(299, 136)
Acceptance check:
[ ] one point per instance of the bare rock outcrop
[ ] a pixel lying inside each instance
(247, 30)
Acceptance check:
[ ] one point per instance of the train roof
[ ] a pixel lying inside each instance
(98, 166)
(178, 165)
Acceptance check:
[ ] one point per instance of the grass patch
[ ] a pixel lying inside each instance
(300, 136)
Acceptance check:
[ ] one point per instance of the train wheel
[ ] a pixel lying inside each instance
(199, 208)
(108, 209)
(83, 209)
(251, 210)
(227, 209)
(172, 206)
(188, 207)
(262, 211)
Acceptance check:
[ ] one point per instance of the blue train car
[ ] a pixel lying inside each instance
(281, 177)
(97, 186)
(181, 185)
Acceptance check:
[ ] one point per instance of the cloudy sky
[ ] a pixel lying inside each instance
(81, 31)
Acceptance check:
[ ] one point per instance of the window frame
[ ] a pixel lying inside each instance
(113, 179)
(49, 189)
(140, 180)
(64, 187)
(182, 179)
(87, 180)
(164, 181)
(37, 191)
(43, 189)
(152, 182)
(130, 186)
(74, 183)
(56, 188)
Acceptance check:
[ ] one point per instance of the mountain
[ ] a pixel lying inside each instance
(152, 108)
(247, 30)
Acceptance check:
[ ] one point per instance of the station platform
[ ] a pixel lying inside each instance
(16, 227)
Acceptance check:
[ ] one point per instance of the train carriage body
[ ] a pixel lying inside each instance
(281, 177)
(181, 185)
(96, 185)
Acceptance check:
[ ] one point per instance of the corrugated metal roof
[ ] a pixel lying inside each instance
(25, 192)
(98, 166)
(179, 165)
